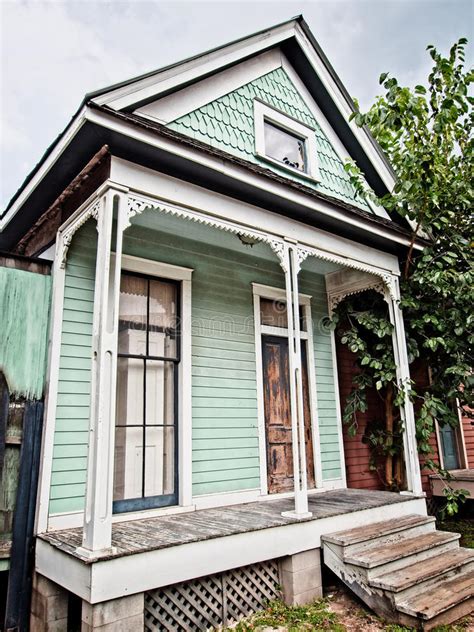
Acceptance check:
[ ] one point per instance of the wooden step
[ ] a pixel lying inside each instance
(379, 554)
(440, 598)
(416, 573)
(359, 535)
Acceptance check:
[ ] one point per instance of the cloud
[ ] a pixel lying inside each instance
(55, 52)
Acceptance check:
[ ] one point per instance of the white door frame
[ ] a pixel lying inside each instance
(273, 293)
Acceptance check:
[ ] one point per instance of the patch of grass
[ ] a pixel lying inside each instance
(314, 616)
(464, 526)
(461, 626)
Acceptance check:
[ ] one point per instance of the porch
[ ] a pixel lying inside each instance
(222, 435)
(150, 553)
(460, 479)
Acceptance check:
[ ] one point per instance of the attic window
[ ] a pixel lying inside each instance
(285, 142)
(285, 147)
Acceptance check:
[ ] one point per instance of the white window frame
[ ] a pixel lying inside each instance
(184, 275)
(264, 113)
(268, 292)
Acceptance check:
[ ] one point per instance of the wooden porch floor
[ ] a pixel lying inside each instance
(460, 479)
(462, 475)
(150, 534)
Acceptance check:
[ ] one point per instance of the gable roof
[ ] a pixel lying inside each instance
(295, 40)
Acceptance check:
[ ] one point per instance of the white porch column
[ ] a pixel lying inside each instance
(291, 268)
(97, 532)
(412, 463)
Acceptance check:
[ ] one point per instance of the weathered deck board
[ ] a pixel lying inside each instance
(462, 475)
(148, 534)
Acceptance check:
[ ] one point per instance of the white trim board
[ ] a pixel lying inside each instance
(192, 70)
(175, 191)
(101, 581)
(238, 173)
(184, 275)
(264, 291)
(189, 71)
(263, 113)
(190, 98)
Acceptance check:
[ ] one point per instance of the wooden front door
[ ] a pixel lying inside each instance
(276, 388)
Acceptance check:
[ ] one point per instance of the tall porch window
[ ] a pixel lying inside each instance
(145, 467)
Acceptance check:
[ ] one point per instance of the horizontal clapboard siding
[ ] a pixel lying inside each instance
(315, 286)
(225, 432)
(68, 479)
(225, 450)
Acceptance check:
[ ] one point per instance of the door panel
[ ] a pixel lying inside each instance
(449, 447)
(277, 415)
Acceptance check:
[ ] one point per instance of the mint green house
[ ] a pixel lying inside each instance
(202, 227)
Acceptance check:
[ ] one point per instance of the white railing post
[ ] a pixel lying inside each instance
(412, 463)
(290, 268)
(97, 534)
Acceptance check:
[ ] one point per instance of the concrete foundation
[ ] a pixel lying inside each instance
(125, 614)
(301, 577)
(49, 606)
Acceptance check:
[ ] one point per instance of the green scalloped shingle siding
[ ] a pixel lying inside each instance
(227, 123)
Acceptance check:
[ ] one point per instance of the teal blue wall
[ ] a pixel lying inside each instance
(228, 123)
(68, 479)
(224, 404)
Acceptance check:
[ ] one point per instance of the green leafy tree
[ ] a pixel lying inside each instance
(426, 132)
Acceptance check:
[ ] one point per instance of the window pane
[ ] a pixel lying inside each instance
(163, 319)
(128, 464)
(159, 392)
(274, 314)
(159, 461)
(132, 315)
(129, 392)
(285, 147)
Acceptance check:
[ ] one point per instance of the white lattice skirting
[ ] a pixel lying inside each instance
(213, 601)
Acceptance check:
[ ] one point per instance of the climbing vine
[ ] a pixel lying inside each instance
(426, 133)
(363, 325)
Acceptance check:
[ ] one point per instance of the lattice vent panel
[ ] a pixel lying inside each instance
(209, 602)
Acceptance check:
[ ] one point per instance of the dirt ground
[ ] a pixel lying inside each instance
(355, 616)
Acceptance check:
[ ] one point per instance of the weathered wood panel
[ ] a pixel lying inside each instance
(149, 534)
(24, 309)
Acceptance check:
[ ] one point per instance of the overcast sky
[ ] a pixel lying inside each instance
(54, 52)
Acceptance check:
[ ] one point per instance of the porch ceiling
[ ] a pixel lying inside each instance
(160, 222)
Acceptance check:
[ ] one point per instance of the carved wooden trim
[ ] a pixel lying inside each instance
(137, 204)
(92, 211)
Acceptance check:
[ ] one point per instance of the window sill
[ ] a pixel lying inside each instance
(281, 165)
